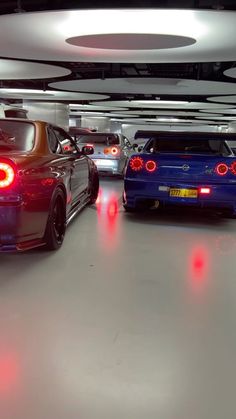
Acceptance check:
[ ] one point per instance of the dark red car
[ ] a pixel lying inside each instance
(44, 181)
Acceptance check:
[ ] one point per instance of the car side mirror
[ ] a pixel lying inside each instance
(87, 150)
(134, 146)
(140, 148)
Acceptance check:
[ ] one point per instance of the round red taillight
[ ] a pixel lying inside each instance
(222, 169)
(233, 168)
(114, 151)
(7, 175)
(136, 163)
(151, 166)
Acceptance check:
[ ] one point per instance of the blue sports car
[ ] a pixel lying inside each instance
(184, 169)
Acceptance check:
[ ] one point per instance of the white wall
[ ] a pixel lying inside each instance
(97, 123)
(56, 113)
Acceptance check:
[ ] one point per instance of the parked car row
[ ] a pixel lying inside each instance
(47, 177)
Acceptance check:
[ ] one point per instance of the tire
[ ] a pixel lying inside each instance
(56, 224)
(131, 209)
(93, 188)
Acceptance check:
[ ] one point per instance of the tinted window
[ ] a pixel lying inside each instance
(173, 145)
(16, 135)
(105, 139)
(54, 144)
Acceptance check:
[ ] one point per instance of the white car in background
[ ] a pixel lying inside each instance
(111, 151)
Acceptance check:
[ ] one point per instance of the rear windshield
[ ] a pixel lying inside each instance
(98, 139)
(16, 135)
(188, 145)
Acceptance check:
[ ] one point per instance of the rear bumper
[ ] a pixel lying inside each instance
(21, 227)
(143, 192)
(110, 166)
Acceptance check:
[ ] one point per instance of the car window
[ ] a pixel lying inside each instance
(187, 145)
(67, 144)
(105, 139)
(53, 142)
(16, 135)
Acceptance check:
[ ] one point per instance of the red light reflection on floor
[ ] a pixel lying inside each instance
(107, 210)
(9, 374)
(199, 268)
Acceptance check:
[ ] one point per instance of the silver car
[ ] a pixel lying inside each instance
(111, 151)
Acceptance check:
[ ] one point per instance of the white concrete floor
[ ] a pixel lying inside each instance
(133, 318)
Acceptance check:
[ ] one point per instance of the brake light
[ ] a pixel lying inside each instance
(205, 191)
(222, 169)
(114, 151)
(136, 163)
(111, 150)
(7, 175)
(151, 166)
(233, 168)
(67, 147)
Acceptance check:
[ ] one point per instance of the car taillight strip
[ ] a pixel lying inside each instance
(137, 164)
(112, 150)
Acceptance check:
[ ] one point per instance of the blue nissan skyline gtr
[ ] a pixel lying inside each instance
(182, 169)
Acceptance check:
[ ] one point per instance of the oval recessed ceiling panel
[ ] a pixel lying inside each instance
(147, 85)
(130, 41)
(175, 35)
(231, 72)
(20, 70)
(48, 94)
(162, 104)
(223, 99)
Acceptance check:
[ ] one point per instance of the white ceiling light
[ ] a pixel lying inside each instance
(162, 104)
(95, 114)
(98, 35)
(15, 70)
(147, 85)
(100, 107)
(48, 94)
(169, 113)
(167, 119)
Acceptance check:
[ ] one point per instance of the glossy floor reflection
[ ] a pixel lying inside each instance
(133, 318)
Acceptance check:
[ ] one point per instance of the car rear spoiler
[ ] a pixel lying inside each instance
(221, 136)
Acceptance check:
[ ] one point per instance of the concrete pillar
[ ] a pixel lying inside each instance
(232, 127)
(56, 113)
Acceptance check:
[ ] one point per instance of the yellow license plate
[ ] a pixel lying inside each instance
(184, 193)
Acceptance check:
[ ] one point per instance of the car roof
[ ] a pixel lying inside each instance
(23, 120)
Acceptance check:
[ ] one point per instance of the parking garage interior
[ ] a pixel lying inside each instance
(133, 317)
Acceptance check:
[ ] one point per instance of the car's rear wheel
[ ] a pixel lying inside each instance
(129, 209)
(93, 188)
(56, 224)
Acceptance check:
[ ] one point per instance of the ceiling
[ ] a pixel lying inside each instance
(133, 55)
